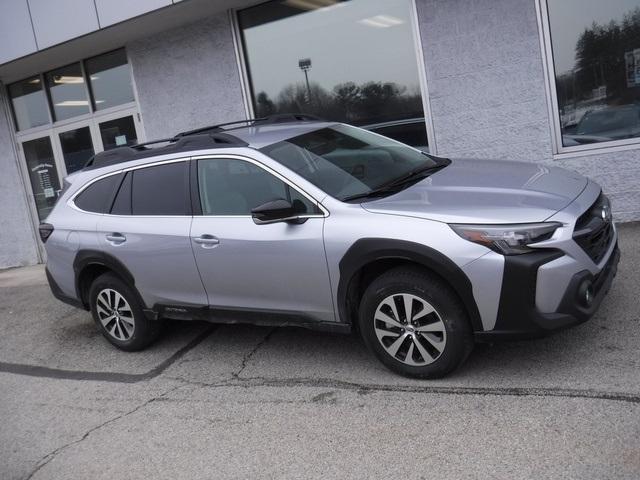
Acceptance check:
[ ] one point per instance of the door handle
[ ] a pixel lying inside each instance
(206, 240)
(116, 238)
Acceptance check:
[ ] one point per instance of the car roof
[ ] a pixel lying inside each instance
(253, 133)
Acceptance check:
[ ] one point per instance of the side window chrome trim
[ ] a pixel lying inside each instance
(325, 213)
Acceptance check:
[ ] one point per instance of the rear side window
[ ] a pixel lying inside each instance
(160, 190)
(122, 202)
(95, 197)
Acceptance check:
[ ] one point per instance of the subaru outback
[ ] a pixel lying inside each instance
(289, 220)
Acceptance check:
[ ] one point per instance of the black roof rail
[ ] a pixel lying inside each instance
(174, 145)
(268, 120)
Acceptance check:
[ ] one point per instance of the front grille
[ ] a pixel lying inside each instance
(594, 230)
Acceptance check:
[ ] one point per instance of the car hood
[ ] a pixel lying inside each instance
(486, 191)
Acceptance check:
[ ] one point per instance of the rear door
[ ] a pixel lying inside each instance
(147, 230)
(277, 271)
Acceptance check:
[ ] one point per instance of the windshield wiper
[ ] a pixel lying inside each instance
(415, 174)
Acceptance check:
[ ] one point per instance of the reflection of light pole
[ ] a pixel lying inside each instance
(305, 65)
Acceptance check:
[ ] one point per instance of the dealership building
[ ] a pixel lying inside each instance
(555, 82)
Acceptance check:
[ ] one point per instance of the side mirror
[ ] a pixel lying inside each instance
(275, 211)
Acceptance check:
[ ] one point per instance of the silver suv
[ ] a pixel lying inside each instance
(288, 220)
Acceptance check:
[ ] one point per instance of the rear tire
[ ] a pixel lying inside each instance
(119, 315)
(432, 341)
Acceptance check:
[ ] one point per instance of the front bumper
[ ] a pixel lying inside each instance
(519, 318)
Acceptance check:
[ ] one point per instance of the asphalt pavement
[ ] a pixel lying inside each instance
(237, 401)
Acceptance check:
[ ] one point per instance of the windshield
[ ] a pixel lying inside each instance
(347, 161)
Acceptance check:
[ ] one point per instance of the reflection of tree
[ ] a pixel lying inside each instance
(600, 62)
(346, 102)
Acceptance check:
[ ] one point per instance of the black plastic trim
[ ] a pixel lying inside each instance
(86, 258)
(262, 317)
(368, 250)
(59, 294)
(518, 317)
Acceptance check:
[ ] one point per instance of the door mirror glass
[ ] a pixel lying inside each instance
(278, 210)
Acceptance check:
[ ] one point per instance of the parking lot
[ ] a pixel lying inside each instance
(238, 401)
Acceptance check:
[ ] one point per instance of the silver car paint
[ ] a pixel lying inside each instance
(419, 214)
(485, 191)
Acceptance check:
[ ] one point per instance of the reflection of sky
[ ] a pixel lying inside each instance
(569, 18)
(342, 46)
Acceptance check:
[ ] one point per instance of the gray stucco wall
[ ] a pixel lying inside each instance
(187, 77)
(487, 91)
(17, 239)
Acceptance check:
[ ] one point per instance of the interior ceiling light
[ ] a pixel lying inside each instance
(72, 103)
(310, 4)
(64, 79)
(381, 21)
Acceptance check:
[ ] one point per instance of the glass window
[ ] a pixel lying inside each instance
(96, 196)
(68, 92)
(351, 61)
(235, 187)
(43, 174)
(160, 190)
(122, 202)
(118, 132)
(77, 148)
(596, 54)
(412, 132)
(346, 161)
(29, 103)
(110, 79)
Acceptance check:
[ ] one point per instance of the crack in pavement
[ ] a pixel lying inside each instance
(52, 455)
(363, 388)
(248, 356)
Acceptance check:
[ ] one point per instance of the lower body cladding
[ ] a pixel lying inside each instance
(546, 291)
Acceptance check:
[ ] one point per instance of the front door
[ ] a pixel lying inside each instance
(275, 269)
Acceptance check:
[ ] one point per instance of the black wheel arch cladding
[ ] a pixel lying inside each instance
(368, 250)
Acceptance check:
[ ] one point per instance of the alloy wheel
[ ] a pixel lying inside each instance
(115, 314)
(410, 329)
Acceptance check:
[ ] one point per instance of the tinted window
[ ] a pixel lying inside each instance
(95, 197)
(122, 202)
(235, 187)
(596, 54)
(350, 61)
(160, 190)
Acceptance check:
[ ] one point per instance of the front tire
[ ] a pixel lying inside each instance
(119, 315)
(415, 324)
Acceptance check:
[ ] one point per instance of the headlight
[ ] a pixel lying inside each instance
(507, 239)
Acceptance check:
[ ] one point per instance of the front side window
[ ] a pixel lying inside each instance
(29, 103)
(348, 162)
(350, 61)
(160, 190)
(235, 187)
(596, 55)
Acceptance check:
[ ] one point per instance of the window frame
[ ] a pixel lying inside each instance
(195, 186)
(559, 151)
(247, 91)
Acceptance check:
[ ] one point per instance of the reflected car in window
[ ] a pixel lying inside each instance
(410, 131)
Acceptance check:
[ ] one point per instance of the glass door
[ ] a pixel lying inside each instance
(76, 147)
(43, 174)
